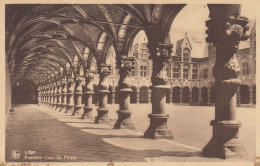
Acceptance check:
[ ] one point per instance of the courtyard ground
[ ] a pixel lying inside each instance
(36, 133)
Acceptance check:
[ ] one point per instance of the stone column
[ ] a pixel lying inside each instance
(44, 95)
(170, 96)
(54, 95)
(137, 96)
(90, 75)
(200, 98)
(160, 54)
(58, 104)
(225, 29)
(149, 96)
(104, 71)
(181, 91)
(251, 95)
(39, 96)
(70, 96)
(238, 96)
(125, 65)
(63, 95)
(209, 96)
(113, 96)
(50, 95)
(78, 108)
(190, 96)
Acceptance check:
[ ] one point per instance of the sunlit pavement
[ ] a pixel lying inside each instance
(43, 134)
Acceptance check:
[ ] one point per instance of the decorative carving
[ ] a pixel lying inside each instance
(79, 82)
(104, 71)
(125, 66)
(90, 75)
(71, 84)
(226, 34)
(160, 56)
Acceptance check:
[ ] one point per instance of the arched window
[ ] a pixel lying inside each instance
(176, 71)
(186, 54)
(93, 65)
(195, 71)
(86, 55)
(185, 72)
(111, 60)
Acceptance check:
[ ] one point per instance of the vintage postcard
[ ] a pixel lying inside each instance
(120, 83)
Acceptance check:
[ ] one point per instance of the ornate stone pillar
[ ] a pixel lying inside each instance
(78, 108)
(170, 96)
(251, 95)
(58, 104)
(209, 96)
(90, 75)
(70, 96)
(181, 91)
(64, 95)
(125, 65)
(104, 71)
(160, 54)
(238, 96)
(225, 29)
(137, 96)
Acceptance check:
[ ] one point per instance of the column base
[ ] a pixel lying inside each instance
(158, 128)
(78, 110)
(224, 143)
(124, 120)
(53, 106)
(63, 108)
(69, 109)
(87, 113)
(58, 107)
(102, 116)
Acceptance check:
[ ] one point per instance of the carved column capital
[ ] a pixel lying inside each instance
(125, 65)
(90, 75)
(160, 54)
(226, 33)
(104, 71)
(71, 84)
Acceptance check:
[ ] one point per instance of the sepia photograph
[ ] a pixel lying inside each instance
(130, 82)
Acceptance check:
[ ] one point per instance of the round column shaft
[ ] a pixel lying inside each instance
(226, 30)
(160, 54)
(102, 117)
(78, 108)
(89, 93)
(125, 65)
(70, 96)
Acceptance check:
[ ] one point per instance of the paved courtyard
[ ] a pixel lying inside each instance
(36, 133)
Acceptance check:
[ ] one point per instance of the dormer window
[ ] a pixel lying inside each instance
(186, 54)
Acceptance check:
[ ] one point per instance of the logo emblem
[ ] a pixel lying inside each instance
(16, 154)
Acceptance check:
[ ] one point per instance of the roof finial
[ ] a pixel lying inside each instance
(186, 34)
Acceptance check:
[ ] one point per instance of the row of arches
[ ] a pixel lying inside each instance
(195, 95)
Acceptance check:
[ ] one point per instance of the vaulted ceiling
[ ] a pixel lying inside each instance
(43, 40)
